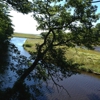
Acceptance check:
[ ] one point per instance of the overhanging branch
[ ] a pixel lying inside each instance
(95, 1)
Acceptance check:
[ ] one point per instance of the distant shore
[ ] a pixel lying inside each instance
(23, 35)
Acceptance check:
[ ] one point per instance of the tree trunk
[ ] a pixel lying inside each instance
(27, 72)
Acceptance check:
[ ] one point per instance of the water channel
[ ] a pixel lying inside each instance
(84, 86)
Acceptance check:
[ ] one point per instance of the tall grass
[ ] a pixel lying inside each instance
(89, 59)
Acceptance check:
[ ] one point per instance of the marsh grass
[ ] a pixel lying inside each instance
(89, 59)
(22, 35)
(30, 45)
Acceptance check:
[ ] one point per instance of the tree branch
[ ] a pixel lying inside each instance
(95, 1)
(57, 85)
(51, 44)
(40, 47)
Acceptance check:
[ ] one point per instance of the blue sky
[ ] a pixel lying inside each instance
(26, 23)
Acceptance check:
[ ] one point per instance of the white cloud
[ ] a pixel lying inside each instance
(24, 23)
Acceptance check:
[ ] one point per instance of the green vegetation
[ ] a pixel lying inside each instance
(89, 59)
(54, 20)
(30, 45)
(6, 30)
(5, 24)
(24, 6)
(23, 35)
(54, 17)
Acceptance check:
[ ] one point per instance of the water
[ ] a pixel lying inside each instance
(81, 87)
(18, 42)
(97, 48)
(6, 79)
(84, 86)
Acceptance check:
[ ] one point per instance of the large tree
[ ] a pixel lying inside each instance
(55, 17)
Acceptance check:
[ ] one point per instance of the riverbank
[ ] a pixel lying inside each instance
(89, 59)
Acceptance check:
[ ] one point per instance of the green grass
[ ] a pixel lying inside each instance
(89, 59)
(22, 35)
(30, 44)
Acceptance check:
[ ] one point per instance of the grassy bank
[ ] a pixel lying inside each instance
(89, 58)
(22, 35)
(30, 45)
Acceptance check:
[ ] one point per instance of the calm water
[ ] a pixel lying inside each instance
(84, 86)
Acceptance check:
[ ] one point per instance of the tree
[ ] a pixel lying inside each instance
(55, 17)
(23, 6)
(96, 31)
(6, 30)
(5, 23)
(97, 26)
(95, 1)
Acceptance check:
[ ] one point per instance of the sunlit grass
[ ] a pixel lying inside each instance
(30, 45)
(89, 59)
(22, 35)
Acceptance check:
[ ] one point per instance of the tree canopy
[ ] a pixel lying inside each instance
(23, 6)
(76, 16)
(55, 17)
(5, 23)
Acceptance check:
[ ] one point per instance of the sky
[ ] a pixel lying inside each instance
(23, 23)
(26, 23)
